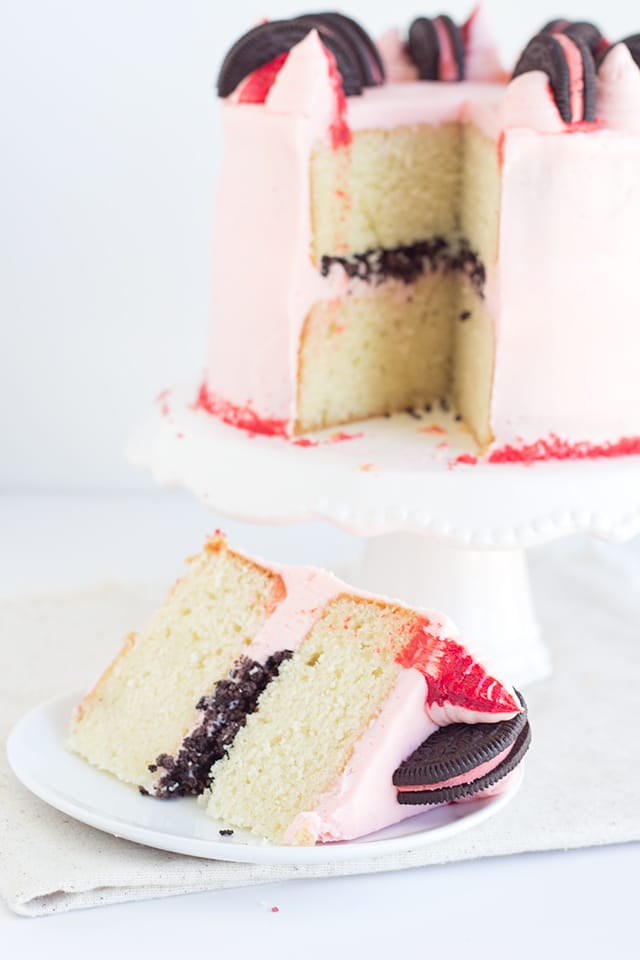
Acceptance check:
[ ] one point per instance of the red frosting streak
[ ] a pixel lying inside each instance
(553, 448)
(339, 129)
(243, 417)
(576, 76)
(452, 675)
(257, 85)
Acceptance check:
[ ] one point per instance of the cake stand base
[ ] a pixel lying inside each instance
(486, 593)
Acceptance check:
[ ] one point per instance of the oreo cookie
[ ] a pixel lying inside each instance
(357, 59)
(457, 750)
(458, 792)
(583, 30)
(545, 52)
(633, 45)
(423, 46)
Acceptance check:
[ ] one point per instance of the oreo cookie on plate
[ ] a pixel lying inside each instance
(462, 759)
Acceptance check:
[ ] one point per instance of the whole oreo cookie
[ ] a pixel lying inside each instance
(423, 46)
(633, 45)
(545, 52)
(457, 749)
(457, 792)
(357, 57)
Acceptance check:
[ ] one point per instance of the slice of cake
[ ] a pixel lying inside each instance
(288, 700)
(414, 230)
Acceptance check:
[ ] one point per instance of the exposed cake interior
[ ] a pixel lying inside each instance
(335, 681)
(405, 225)
(144, 705)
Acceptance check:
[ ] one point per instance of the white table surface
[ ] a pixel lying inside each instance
(577, 904)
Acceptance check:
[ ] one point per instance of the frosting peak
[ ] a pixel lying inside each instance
(481, 52)
(618, 91)
(303, 85)
(529, 102)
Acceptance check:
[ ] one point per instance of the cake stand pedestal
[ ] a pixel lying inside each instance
(439, 532)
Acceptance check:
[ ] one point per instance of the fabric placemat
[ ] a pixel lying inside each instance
(582, 784)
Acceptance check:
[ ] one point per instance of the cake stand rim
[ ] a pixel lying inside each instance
(472, 506)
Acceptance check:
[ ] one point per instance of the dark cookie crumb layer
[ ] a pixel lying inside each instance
(408, 263)
(224, 712)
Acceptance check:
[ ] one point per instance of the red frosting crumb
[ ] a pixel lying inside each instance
(257, 85)
(432, 428)
(237, 416)
(466, 458)
(162, 401)
(553, 448)
(452, 675)
(275, 909)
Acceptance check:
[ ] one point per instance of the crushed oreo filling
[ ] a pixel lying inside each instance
(408, 263)
(224, 712)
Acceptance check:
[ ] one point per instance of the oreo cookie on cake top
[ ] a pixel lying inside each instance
(462, 760)
(436, 47)
(357, 59)
(569, 65)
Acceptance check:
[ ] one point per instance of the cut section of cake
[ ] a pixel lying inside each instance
(440, 233)
(284, 697)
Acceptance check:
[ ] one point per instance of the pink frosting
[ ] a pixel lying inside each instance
(398, 65)
(529, 103)
(618, 91)
(482, 61)
(566, 362)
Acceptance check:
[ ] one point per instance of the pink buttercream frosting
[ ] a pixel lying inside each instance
(618, 91)
(398, 65)
(529, 103)
(482, 61)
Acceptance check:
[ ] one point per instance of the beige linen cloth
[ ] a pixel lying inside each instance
(582, 783)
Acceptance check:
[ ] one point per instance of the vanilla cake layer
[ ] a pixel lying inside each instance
(378, 349)
(385, 189)
(335, 682)
(145, 702)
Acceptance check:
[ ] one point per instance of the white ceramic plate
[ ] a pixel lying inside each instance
(40, 760)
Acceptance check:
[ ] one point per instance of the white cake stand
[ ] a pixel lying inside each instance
(438, 533)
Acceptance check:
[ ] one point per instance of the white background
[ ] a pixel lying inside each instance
(109, 149)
